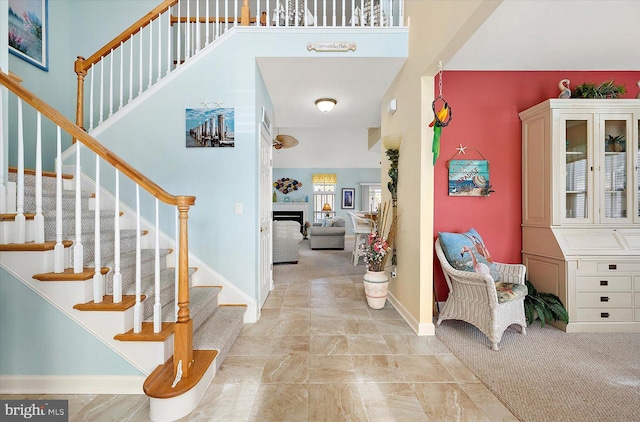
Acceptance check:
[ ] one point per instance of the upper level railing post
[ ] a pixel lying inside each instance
(244, 13)
(183, 328)
(79, 69)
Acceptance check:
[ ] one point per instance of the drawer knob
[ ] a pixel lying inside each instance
(604, 282)
(604, 298)
(613, 267)
(604, 314)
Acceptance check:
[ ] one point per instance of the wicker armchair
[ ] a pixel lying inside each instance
(473, 298)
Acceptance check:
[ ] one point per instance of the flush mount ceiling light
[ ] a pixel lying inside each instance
(326, 104)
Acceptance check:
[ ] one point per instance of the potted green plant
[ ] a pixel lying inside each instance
(605, 90)
(544, 306)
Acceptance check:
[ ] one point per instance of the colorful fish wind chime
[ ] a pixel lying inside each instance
(441, 118)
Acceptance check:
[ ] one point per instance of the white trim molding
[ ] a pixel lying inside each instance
(71, 384)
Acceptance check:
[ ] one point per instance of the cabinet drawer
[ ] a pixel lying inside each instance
(609, 267)
(605, 300)
(603, 283)
(637, 314)
(636, 284)
(604, 315)
(636, 300)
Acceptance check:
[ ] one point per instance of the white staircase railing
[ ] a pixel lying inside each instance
(176, 30)
(39, 232)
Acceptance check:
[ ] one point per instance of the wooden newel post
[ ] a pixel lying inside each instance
(79, 69)
(183, 330)
(244, 13)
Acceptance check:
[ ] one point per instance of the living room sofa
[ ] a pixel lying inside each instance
(327, 235)
(286, 240)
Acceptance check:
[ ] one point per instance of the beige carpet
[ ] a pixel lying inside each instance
(549, 375)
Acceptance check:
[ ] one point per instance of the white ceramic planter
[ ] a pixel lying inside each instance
(376, 286)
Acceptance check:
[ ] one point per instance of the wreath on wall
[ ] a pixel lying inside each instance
(286, 185)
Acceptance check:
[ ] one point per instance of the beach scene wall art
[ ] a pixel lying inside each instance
(469, 178)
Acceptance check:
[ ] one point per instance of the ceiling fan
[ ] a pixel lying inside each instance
(284, 141)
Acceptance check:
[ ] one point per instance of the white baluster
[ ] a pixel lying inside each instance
(226, 16)
(295, 19)
(353, 12)
(324, 12)
(38, 220)
(176, 249)
(93, 77)
(187, 35)
(258, 23)
(169, 39)
(78, 249)
(315, 12)
(268, 10)
(157, 306)
(206, 34)
(111, 84)
(286, 13)
(150, 54)
(100, 120)
(131, 44)
(20, 220)
(98, 284)
(178, 40)
(58, 250)
(401, 13)
(140, 71)
(121, 74)
(197, 27)
(344, 17)
(159, 47)
(235, 13)
(390, 13)
(334, 12)
(137, 308)
(217, 22)
(4, 208)
(117, 276)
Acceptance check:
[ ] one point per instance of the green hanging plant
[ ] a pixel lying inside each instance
(605, 90)
(546, 306)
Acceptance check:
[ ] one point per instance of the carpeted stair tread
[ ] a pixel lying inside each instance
(202, 301)
(220, 330)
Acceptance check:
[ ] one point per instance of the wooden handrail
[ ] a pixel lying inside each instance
(210, 19)
(93, 144)
(126, 34)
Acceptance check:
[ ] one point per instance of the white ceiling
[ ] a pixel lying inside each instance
(520, 35)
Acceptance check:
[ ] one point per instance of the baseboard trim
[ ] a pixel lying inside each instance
(71, 384)
(421, 329)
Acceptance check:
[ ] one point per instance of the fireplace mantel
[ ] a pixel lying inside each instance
(293, 206)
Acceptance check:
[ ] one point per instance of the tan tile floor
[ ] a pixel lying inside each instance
(319, 353)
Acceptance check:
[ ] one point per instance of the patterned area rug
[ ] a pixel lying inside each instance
(550, 375)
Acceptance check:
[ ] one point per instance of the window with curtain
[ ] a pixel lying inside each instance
(324, 193)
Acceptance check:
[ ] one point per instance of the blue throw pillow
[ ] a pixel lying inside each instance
(466, 252)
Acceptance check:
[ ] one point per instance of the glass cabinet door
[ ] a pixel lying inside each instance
(577, 167)
(615, 200)
(637, 183)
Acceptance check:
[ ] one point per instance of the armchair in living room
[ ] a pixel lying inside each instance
(286, 238)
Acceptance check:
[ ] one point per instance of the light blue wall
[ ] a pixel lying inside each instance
(151, 137)
(38, 339)
(75, 28)
(347, 178)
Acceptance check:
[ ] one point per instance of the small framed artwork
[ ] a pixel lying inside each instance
(469, 178)
(266, 122)
(28, 31)
(207, 127)
(348, 198)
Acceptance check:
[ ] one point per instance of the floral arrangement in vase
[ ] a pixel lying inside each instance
(375, 250)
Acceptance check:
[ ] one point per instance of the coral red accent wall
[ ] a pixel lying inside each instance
(485, 108)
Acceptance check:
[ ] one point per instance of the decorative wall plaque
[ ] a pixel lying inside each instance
(323, 46)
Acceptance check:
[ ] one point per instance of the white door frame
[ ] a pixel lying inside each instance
(265, 253)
